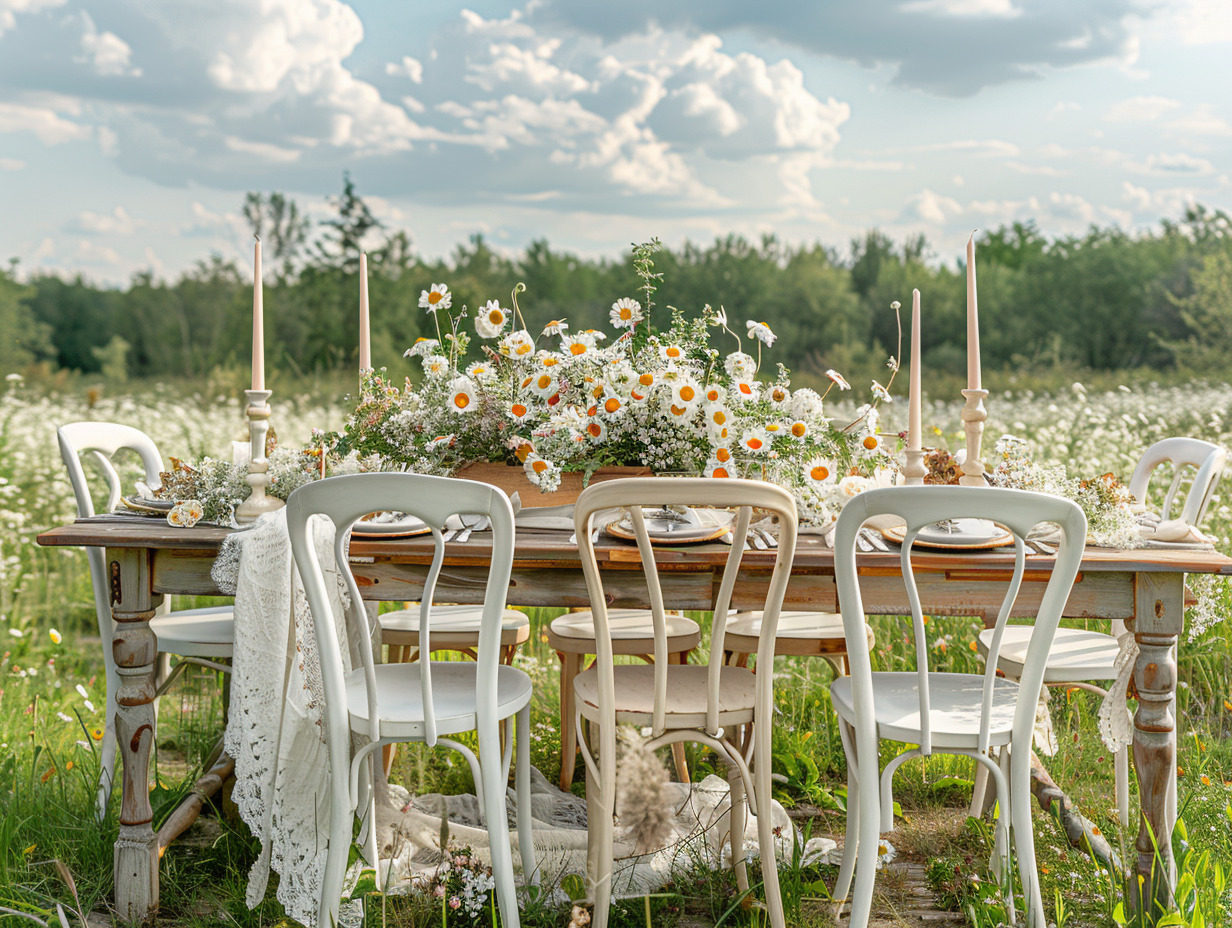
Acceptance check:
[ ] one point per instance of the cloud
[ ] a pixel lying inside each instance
(931, 207)
(117, 222)
(1180, 163)
(1141, 109)
(1201, 120)
(1042, 170)
(1203, 22)
(10, 8)
(948, 47)
(43, 121)
(408, 67)
(11, 164)
(106, 52)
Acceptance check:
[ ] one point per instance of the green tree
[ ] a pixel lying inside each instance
(343, 235)
(23, 338)
(277, 221)
(1208, 314)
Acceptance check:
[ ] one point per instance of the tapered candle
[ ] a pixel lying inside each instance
(973, 322)
(258, 324)
(915, 399)
(365, 338)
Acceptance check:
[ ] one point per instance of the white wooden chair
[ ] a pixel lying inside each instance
(945, 712)
(1078, 656)
(427, 701)
(800, 634)
(703, 703)
(198, 636)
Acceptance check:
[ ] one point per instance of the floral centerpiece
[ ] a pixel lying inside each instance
(553, 399)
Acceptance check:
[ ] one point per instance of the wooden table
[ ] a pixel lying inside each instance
(147, 559)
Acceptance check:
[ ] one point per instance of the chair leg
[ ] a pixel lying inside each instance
(526, 838)
(398, 654)
(1024, 840)
(868, 834)
(765, 827)
(600, 825)
(341, 818)
(371, 852)
(851, 839)
(979, 791)
(679, 758)
(736, 820)
(569, 668)
(491, 768)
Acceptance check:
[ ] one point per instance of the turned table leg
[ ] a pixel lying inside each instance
(135, 650)
(1159, 616)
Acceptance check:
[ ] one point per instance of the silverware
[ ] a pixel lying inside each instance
(874, 538)
(863, 543)
(758, 542)
(448, 535)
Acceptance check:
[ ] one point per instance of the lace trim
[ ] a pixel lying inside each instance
(1116, 723)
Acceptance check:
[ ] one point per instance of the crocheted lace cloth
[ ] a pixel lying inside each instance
(1116, 722)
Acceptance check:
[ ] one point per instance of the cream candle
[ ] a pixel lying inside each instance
(365, 338)
(915, 399)
(258, 324)
(973, 323)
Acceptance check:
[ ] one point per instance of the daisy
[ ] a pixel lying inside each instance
(626, 313)
(820, 471)
(441, 441)
(521, 448)
(714, 393)
(717, 417)
(799, 430)
(480, 370)
(740, 365)
(462, 395)
(436, 297)
(720, 469)
(839, 380)
(576, 346)
(542, 385)
(870, 444)
(596, 430)
(775, 429)
(436, 365)
(755, 440)
(744, 390)
(778, 395)
(679, 413)
(490, 320)
(685, 392)
(596, 335)
(761, 332)
(549, 359)
(556, 327)
(517, 344)
(518, 412)
(422, 346)
(671, 353)
(613, 405)
(722, 454)
(881, 393)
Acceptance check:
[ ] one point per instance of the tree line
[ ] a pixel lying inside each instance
(1104, 300)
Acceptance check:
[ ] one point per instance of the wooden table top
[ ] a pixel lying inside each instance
(552, 549)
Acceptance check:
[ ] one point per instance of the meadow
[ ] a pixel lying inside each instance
(51, 697)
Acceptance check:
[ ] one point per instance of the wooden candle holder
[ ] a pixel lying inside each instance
(973, 416)
(258, 503)
(914, 470)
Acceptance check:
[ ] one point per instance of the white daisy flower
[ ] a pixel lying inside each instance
(436, 297)
(490, 320)
(718, 417)
(596, 430)
(779, 396)
(626, 313)
(798, 430)
(462, 395)
(671, 353)
(556, 327)
(436, 365)
(740, 365)
(576, 346)
(870, 443)
(821, 471)
(720, 469)
(761, 332)
(881, 393)
(722, 454)
(517, 344)
(422, 346)
(853, 485)
(542, 384)
(714, 393)
(755, 440)
(612, 405)
(839, 380)
(595, 335)
(685, 392)
(480, 370)
(745, 391)
(518, 412)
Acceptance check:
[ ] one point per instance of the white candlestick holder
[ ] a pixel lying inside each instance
(258, 503)
(914, 470)
(973, 416)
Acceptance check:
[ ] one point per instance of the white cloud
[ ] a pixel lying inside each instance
(265, 151)
(932, 207)
(1203, 22)
(10, 8)
(1001, 9)
(117, 222)
(1064, 107)
(1141, 109)
(1040, 170)
(44, 122)
(1138, 197)
(408, 67)
(11, 164)
(106, 52)
(1180, 163)
(1073, 207)
(1201, 120)
(985, 148)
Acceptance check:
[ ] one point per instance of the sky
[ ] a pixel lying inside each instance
(130, 131)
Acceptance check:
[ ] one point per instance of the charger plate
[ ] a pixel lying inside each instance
(969, 535)
(404, 527)
(667, 532)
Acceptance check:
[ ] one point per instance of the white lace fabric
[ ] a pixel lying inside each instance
(275, 731)
(1116, 722)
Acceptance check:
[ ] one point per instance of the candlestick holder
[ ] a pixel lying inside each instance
(915, 470)
(973, 416)
(258, 503)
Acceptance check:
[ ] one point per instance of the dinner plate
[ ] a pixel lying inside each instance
(968, 535)
(144, 504)
(692, 531)
(391, 525)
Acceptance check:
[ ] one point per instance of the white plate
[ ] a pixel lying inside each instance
(968, 535)
(144, 504)
(401, 526)
(694, 529)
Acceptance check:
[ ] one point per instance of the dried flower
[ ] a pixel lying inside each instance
(641, 802)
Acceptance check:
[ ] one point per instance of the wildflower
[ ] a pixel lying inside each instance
(542, 385)
(15, 632)
(778, 395)
(54, 636)
(455, 902)
(686, 393)
(740, 366)
(435, 365)
(838, 380)
(799, 429)
(490, 320)
(556, 327)
(517, 344)
(422, 347)
(441, 441)
(671, 353)
(518, 412)
(81, 691)
(462, 395)
(717, 468)
(64, 718)
(755, 440)
(576, 346)
(480, 371)
(596, 430)
(745, 391)
(626, 313)
(613, 405)
(820, 471)
(713, 393)
(885, 853)
(870, 443)
(761, 332)
(881, 393)
(436, 297)
(717, 418)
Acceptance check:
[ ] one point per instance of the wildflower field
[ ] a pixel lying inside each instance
(51, 699)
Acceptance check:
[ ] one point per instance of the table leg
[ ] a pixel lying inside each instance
(135, 650)
(1159, 615)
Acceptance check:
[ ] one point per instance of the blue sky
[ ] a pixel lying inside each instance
(130, 131)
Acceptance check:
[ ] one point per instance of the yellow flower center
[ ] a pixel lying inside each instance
(646, 380)
(543, 382)
(612, 405)
(870, 442)
(820, 472)
(539, 466)
(577, 348)
(799, 430)
(496, 317)
(595, 429)
(461, 400)
(518, 410)
(677, 410)
(720, 472)
(719, 417)
(745, 389)
(673, 352)
(722, 455)
(754, 444)
(435, 297)
(687, 393)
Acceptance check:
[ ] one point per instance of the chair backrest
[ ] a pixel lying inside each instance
(344, 500)
(1018, 511)
(102, 441)
(1183, 453)
(635, 492)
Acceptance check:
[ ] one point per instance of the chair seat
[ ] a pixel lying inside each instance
(1076, 656)
(632, 632)
(686, 695)
(451, 627)
(208, 632)
(400, 703)
(955, 700)
(799, 633)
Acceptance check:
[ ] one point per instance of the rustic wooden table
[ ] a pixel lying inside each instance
(147, 559)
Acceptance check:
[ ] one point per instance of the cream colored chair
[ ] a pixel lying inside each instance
(199, 636)
(800, 634)
(1080, 657)
(427, 701)
(949, 713)
(707, 703)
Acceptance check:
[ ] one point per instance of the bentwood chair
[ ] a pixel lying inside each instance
(428, 701)
(707, 703)
(800, 634)
(945, 712)
(1079, 656)
(198, 636)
